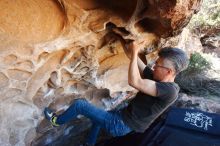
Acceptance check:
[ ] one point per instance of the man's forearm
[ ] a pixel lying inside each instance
(133, 73)
(141, 64)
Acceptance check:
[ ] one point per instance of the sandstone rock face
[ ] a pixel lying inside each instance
(53, 51)
(30, 21)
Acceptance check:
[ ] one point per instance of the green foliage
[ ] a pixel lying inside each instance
(197, 64)
(209, 15)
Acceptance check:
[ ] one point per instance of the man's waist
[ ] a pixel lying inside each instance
(136, 124)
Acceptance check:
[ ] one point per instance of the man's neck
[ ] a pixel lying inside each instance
(168, 79)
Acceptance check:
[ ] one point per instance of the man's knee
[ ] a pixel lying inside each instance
(79, 102)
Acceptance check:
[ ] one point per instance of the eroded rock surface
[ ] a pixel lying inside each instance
(52, 52)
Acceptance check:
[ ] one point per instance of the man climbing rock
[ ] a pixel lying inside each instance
(157, 91)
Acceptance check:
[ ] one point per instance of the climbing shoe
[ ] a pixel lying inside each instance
(51, 116)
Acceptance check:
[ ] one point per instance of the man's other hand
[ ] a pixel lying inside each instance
(137, 46)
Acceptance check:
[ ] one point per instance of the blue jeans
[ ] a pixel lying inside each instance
(111, 121)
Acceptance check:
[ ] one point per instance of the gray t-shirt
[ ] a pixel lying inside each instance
(144, 109)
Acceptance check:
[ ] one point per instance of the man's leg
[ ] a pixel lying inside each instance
(110, 121)
(82, 107)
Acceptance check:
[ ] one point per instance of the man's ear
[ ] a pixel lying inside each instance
(170, 72)
(173, 72)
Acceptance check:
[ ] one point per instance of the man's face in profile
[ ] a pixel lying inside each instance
(161, 69)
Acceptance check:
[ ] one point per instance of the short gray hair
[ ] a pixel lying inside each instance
(177, 56)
